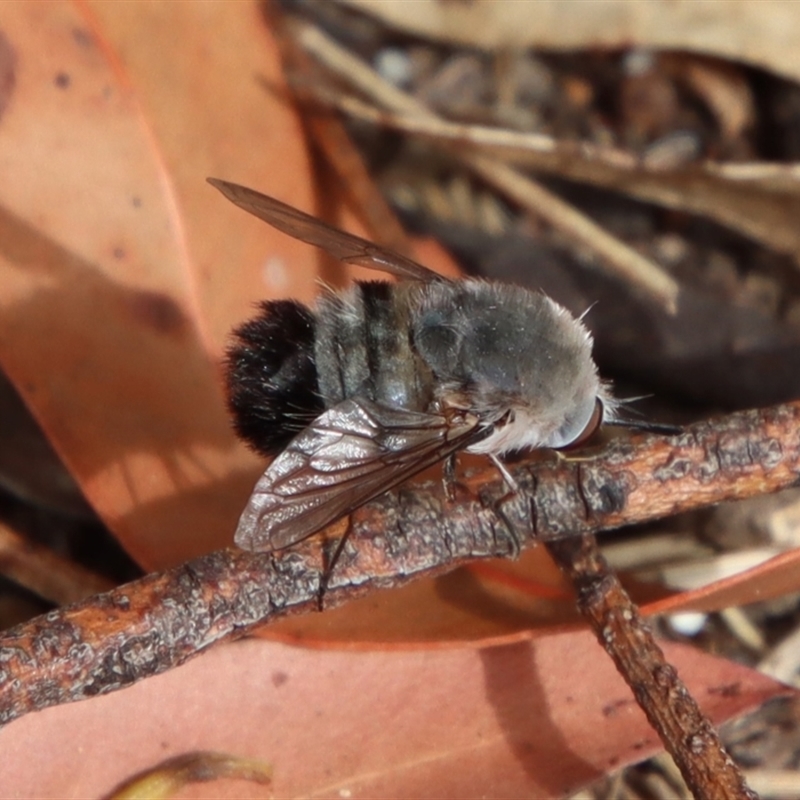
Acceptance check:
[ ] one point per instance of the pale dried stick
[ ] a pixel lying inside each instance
(46, 573)
(617, 257)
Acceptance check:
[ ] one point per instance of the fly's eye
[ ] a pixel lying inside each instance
(591, 427)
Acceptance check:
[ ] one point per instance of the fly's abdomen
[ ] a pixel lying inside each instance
(272, 386)
(363, 348)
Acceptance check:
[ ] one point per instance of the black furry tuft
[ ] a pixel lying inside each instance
(271, 376)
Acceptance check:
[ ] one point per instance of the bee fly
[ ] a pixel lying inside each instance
(382, 380)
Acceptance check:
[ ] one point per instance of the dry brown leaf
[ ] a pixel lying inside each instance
(121, 269)
(165, 780)
(777, 577)
(509, 721)
(763, 34)
(203, 99)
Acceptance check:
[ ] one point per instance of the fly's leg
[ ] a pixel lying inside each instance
(327, 571)
(513, 486)
(514, 545)
(449, 480)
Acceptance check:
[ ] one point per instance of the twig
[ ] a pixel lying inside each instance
(161, 621)
(540, 150)
(687, 734)
(332, 139)
(330, 136)
(44, 572)
(617, 257)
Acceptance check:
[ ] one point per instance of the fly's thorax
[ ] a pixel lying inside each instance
(362, 347)
(514, 356)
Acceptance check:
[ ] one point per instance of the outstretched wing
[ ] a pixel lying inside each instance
(344, 246)
(352, 453)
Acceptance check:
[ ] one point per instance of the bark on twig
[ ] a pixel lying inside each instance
(162, 620)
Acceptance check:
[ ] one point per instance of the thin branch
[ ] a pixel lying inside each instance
(686, 732)
(44, 572)
(330, 136)
(162, 620)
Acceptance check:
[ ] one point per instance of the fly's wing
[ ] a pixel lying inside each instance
(353, 452)
(344, 246)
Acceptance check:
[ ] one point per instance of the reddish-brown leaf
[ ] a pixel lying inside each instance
(527, 719)
(120, 267)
